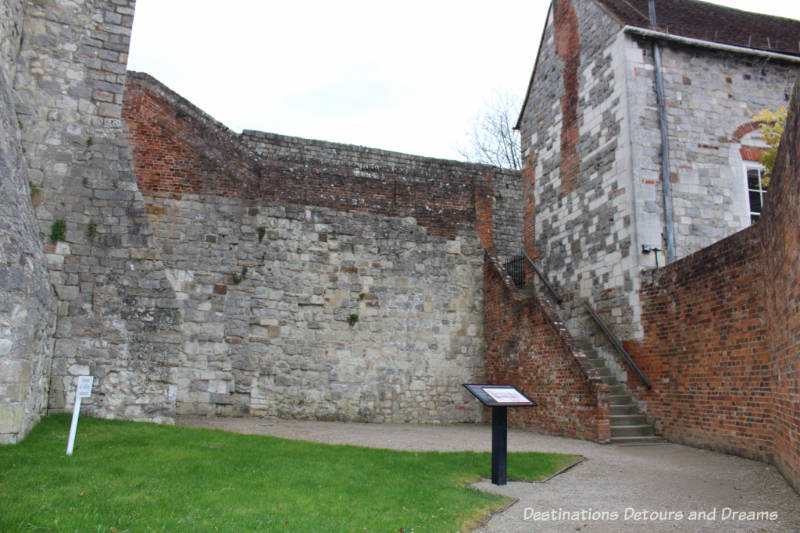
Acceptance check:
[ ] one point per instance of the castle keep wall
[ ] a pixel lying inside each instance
(27, 303)
(115, 318)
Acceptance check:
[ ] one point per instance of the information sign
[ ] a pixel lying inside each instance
(84, 391)
(499, 397)
(85, 386)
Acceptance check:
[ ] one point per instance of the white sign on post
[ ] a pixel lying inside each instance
(84, 391)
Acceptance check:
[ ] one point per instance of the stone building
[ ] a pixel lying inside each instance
(591, 137)
(698, 362)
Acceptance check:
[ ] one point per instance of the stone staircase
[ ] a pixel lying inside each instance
(628, 424)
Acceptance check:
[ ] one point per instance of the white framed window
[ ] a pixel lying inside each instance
(757, 186)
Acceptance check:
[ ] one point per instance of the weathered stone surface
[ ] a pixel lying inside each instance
(377, 323)
(27, 303)
(76, 155)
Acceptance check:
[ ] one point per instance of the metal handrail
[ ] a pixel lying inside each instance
(603, 326)
(550, 288)
(618, 345)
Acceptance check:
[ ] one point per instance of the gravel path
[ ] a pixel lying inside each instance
(641, 484)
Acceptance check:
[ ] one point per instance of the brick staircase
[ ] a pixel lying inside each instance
(628, 424)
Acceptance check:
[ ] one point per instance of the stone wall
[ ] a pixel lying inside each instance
(710, 95)
(506, 206)
(574, 139)
(340, 316)
(114, 314)
(336, 283)
(397, 264)
(592, 143)
(27, 303)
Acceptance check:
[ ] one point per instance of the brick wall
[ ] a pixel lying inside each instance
(706, 349)
(439, 194)
(527, 347)
(781, 235)
(721, 333)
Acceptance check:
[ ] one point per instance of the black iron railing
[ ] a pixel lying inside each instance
(553, 292)
(616, 344)
(516, 269)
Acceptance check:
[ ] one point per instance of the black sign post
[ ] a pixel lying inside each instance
(499, 398)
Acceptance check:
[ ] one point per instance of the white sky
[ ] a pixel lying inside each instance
(407, 76)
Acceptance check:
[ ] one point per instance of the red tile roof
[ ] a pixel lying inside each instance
(711, 22)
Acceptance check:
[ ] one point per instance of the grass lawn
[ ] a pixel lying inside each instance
(129, 476)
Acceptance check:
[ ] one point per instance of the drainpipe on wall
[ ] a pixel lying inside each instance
(666, 185)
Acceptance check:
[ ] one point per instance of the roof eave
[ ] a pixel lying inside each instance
(691, 41)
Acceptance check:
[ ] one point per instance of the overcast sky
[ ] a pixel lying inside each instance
(407, 76)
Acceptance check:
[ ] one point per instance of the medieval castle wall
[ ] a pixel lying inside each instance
(316, 280)
(27, 302)
(362, 297)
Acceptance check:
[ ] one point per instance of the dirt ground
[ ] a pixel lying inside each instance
(654, 488)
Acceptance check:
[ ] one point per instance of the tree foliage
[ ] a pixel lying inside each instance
(492, 139)
(771, 124)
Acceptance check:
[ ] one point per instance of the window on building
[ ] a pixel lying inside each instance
(756, 190)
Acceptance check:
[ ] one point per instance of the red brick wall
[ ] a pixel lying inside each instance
(568, 48)
(706, 350)
(524, 348)
(722, 333)
(781, 237)
(178, 149)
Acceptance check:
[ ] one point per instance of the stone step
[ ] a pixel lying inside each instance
(638, 440)
(587, 347)
(638, 430)
(609, 380)
(628, 419)
(617, 389)
(629, 409)
(619, 399)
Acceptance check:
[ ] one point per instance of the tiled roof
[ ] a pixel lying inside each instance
(711, 22)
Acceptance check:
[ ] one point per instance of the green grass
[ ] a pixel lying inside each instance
(127, 476)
